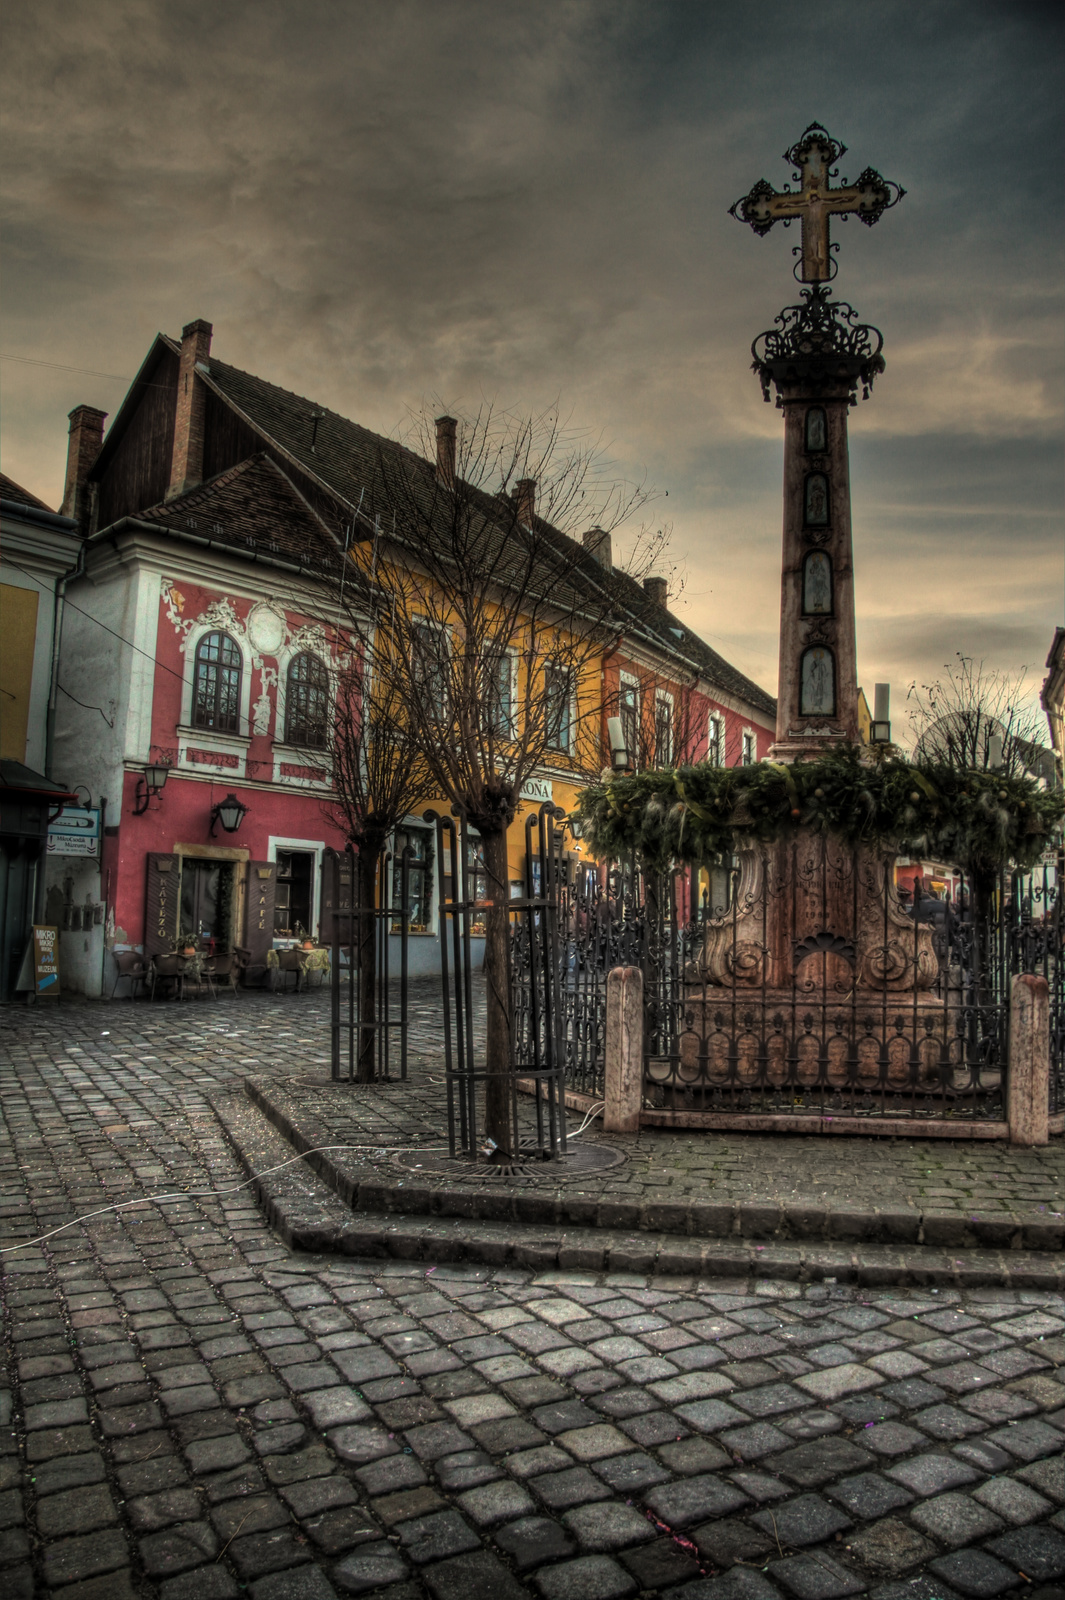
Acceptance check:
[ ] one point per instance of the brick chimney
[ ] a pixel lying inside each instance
(186, 468)
(599, 546)
(446, 428)
(657, 591)
(525, 500)
(83, 446)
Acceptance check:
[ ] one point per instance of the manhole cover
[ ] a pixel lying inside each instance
(581, 1160)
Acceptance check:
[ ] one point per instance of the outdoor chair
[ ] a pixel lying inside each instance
(171, 970)
(132, 965)
(224, 970)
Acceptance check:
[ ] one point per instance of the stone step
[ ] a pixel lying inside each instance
(308, 1214)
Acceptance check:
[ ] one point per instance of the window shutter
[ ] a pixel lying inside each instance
(162, 898)
(259, 916)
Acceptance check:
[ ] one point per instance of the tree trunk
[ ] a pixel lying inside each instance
(498, 1094)
(369, 856)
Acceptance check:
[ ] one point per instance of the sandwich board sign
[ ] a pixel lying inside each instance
(45, 961)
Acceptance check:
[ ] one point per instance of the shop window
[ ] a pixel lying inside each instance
(476, 884)
(216, 684)
(293, 895)
(307, 702)
(419, 880)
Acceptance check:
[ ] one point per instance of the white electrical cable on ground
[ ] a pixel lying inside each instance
(214, 1194)
(196, 1194)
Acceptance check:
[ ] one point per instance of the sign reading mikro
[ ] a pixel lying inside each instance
(75, 832)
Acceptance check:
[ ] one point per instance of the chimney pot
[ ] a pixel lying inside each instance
(599, 546)
(446, 431)
(83, 446)
(525, 500)
(657, 591)
(186, 466)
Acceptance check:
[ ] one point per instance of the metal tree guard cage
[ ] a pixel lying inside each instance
(358, 930)
(535, 1057)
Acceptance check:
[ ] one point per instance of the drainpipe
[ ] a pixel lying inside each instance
(76, 571)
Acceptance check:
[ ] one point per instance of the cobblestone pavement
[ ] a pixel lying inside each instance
(195, 1411)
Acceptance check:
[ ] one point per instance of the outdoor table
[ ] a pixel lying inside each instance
(301, 962)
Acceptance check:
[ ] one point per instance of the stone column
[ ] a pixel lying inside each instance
(623, 1050)
(1028, 1079)
(815, 361)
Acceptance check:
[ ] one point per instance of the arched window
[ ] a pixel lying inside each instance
(216, 685)
(306, 701)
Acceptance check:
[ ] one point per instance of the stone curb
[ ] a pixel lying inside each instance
(759, 1220)
(308, 1215)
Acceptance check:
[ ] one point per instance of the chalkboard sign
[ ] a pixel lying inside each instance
(46, 961)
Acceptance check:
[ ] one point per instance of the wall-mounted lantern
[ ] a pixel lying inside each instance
(150, 785)
(230, 812)
(619, 755)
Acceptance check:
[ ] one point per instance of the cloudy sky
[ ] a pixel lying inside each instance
(388, 203)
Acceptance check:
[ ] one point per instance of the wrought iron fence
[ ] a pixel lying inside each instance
(368, 1009)
(801, 984)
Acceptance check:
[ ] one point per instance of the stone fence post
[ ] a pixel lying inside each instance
(1028, 1081)
(624, 1050)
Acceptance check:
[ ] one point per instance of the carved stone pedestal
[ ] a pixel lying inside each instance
(810, 915)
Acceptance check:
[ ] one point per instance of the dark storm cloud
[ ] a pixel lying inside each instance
(379, 203)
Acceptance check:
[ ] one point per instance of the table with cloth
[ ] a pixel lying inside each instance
(301, 962)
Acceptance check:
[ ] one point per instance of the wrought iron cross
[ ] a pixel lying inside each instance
(813, 159)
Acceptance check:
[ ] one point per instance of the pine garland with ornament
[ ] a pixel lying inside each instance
(698, 814)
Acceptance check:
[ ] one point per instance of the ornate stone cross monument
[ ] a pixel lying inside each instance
(809, 902)
(815, 358)
(813, 159)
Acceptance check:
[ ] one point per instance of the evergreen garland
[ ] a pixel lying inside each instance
(700, 813)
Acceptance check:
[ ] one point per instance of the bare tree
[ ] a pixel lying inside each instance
(975, 717)
(379, 776)
(487, 622)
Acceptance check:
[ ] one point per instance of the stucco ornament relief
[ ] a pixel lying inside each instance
(261, 710)
(219, 614)
(309, 636)
(266, 629)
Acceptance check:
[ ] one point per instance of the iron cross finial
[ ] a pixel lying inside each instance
(814, 160)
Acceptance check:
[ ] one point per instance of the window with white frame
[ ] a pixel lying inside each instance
(629, 712)
(217, 683)
(499, 673)
(663, 728)
(715, 739)
(749, 748)
(429, 666)
(558, 706)
(307, 701)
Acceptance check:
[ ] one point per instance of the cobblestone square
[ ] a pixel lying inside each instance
(193, 1409)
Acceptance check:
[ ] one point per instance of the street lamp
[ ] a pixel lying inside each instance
(149, 785)
(230, 812)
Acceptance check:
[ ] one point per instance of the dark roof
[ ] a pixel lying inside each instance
(344, 460)
(10, 490)
(252, 506)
